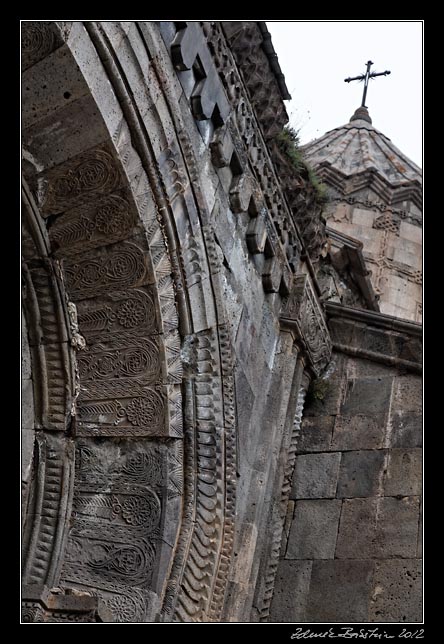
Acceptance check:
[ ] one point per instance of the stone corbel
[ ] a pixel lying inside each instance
(302, 314)
(222, 148)
(189, 49)
(241, 190)
(271, 275)
(256, 234)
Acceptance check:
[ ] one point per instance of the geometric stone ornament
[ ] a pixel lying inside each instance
(189, 51)
(302, 313)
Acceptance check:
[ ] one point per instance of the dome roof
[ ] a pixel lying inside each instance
(358, 146)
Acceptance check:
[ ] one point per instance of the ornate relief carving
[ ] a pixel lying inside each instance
(39, 39)
(108, 220)
(125, 607)
(389, 222)
(175, 180)
(229, 512)
(144, 415)
(87, 176)
(201, 563)
(126, 313)
(302, 311)
(246, 43)
(31, 612)
(119, 266)
(121, 361)
(121, 389)
(117, 509)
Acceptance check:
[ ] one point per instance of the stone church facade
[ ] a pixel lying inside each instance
(221, 409)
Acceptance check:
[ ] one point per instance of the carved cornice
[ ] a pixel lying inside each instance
(302, 313)
(380, 320)
(376, 337)
(389, 194)
(247, 42)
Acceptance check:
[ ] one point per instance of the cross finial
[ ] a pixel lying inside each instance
(366, 77)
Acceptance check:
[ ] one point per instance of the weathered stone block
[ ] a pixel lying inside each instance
(366, 396)
(27, 404)
(290, 591)
(378, 527)
(316, 434)
(363, 368)
(359, 431)
(55, 72)
(405, 347)
(397, 527)
(397, 591)
(357, 529)
(314, 530)
(316, 476)
(407, 393)
(73, 131)
(404, 473)
(245, 401)
(406, 429)
(243, 563)
(371, 339)
(27, 451)
(360, 473)
(410, 232)
(341, 331)
(339, 591)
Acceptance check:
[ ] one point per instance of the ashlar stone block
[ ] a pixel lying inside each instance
(316, 476)
(314, 530)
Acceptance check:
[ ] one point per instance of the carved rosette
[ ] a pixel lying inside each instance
(302, 312)
(39, 39)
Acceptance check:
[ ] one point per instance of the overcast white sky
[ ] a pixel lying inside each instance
(316, 56)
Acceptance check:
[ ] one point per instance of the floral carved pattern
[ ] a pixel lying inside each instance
(108, 220)
(302, 312)
(121, 267)
(92, 173)
(118, 505)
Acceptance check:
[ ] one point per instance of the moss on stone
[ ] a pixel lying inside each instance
(318, 390)
(288, 141)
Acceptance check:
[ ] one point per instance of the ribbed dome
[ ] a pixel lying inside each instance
(359, 146)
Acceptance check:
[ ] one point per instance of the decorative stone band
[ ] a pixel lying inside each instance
(47, 514)
(301, 312)
(350, 185)
(376, 336)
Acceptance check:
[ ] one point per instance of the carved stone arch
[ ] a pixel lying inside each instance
(142, 500)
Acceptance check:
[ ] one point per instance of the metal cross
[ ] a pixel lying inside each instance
(366, 77)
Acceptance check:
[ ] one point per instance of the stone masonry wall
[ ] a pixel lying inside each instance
(393, 252)
(351, 549)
